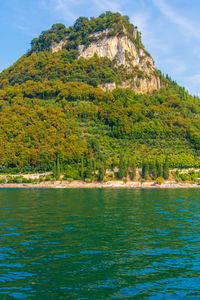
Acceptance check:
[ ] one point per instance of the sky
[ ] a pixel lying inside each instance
(170, 29)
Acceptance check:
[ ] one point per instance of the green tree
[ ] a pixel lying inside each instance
(145, 170)
(82, 169)
(101, 172)
(122, 167)
(166, 169)
(89, 169)
(56, 169)
(159, 167)
(153, 169)
(133, 167)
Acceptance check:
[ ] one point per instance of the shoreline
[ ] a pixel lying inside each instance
(110, 184)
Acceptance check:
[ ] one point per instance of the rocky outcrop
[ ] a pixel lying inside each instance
(139, 86)
(57, 46)
(123, 51)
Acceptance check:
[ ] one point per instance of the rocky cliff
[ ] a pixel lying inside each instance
(123, 48)
(120, 58)
(122, 51)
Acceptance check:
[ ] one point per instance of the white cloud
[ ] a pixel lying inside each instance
(67, 9)
(194, 79)
(185, 25)
(141, 20)
(61, 8)
(193, 83)
(105, 5)
(176, 66)
(150, 29)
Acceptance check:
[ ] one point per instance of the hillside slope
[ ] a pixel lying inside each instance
(89, 94)
(124, 62)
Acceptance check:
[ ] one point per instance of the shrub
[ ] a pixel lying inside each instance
(71, 173)
(88, 180)
(160, 180)
(125, 180)
(9, 179)
(2, 180)
(142, 180)
(47, 178)
(69, 179)
(28, 180)
(24, 180)
(41, 178)
(17, 179)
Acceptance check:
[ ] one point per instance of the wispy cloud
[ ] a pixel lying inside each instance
(103, 5)
(63, 9)
(67, 9)
(141, 20)
(184, 24)
(176, 66)
(149, 25)
(193, 83)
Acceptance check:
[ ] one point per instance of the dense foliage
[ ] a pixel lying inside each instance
(52, 110)
(65, 66)
(81, 32)
(41, 121)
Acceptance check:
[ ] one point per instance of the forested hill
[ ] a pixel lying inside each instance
(66, 101)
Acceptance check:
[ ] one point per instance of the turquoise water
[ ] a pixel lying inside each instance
(99, 244)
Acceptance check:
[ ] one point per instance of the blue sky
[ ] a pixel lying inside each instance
(170, 29)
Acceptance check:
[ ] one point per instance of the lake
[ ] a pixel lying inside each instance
(99, 244)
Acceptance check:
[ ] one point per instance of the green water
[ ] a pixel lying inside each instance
(99, 244)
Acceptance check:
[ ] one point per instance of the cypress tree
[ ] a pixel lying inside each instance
(159, 169)
(58, 169)
(94, 165)
(166, 169)
(133, 173)
(89, 169)
(121, 167)
(82, 169)
(145, 170)
(54, 170)
(153, 169)
(127, 165)
(101, 174)
(61, 167)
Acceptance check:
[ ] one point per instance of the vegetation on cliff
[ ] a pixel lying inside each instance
(82, 30)
(51, 110)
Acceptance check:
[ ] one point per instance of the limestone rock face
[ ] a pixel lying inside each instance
(144, 86)
(123, 51)
(57, 46)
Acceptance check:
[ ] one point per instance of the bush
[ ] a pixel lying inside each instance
(111, 176)
(88, 180)
(17, 179)
(142, 180)
(47, 178)
(41, 178)
(28, 180)
(69, 179)
(36, 180)
(71, 173)
(160, 180)
(125, 180)
(9, 179)
(2, 180)
(25, 180)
